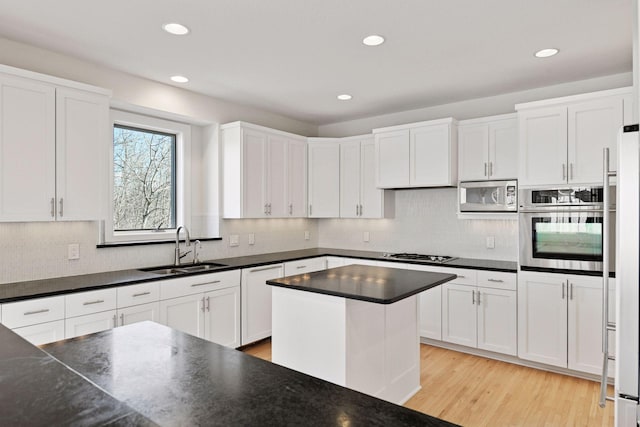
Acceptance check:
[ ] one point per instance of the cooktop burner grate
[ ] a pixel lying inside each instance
(420, 257)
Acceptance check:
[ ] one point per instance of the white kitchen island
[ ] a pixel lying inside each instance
(356, 326)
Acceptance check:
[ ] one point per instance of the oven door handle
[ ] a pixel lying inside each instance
(564, 210)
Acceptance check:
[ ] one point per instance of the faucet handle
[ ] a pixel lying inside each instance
(196, 245)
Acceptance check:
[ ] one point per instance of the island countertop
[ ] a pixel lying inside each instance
(379, 285)
(173, 378)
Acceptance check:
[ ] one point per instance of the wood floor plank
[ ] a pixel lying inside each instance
(475, 391)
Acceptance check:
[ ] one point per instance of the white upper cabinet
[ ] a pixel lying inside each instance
(488, 148)
(359, 196)
(423, 154)
(324, 178)
(264, 172)
(561, 140)
(53, 142)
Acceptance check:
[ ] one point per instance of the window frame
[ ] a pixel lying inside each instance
(182, 176)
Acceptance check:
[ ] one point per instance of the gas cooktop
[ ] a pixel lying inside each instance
(420, 257)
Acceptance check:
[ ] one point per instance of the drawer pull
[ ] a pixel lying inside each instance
(44, 310)
(141, 294)
(98, 301)
(301, 266)
(255, 270)
(460, 276)
(202, 284)
(495, 280)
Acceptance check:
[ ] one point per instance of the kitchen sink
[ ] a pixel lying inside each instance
(183, 269)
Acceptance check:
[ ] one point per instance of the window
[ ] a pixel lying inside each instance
(149, 183)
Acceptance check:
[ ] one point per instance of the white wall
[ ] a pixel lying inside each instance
(481, 107)
(425, 222)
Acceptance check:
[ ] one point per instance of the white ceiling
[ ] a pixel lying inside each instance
(295, 56)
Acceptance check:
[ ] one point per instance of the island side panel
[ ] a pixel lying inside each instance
(309, 333)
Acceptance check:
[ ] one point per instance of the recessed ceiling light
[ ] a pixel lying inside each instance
(175, 29)
(373, 40)
(344, 97)
(545, 53)
(179, 79)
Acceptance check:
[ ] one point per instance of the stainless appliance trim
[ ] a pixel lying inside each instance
(507, 196)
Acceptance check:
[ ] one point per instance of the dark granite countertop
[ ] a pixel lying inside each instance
(173, 378)
(380, 285)
(61, 285)
(38, 390)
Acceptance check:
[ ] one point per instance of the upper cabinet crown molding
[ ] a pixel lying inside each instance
(564, 100)
(422, 154)
(55, 81)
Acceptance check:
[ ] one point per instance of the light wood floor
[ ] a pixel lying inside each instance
(474, 391)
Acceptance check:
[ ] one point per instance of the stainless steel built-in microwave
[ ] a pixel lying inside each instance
(488, 196)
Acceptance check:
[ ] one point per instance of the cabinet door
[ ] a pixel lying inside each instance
(392, 159)
(459, 314)
(350, 179)
(497, 320)
(431, 313)
(543, 146)
(324, 180)
(473, 143)
(42, 333)
(371, 197)
(27, 150)
(297, 178)
(82, 141)
(89, 324)
(430, 154)
(503, 149)
(222, 316)
(593, 125)
(254, 146)
(139, 313)
(185, 314)
(276, 181)
(256, 302)
(542, 318)
(585, 324)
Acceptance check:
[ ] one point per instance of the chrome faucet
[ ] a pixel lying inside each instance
(179, 254)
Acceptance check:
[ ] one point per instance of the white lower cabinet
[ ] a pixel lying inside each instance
(89, 323)
(138, 313)
(560, 320)
(481, 316)
(42, 333)
(431, 313)
(256, 301)
(210, 310)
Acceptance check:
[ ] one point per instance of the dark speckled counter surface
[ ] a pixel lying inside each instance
(176, 379)
(379, 285)
(61, 285)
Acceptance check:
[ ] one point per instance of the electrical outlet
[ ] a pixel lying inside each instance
(252, 239)
(234, 240)
(365, 236)
(491, 242)
(73, 251)
(307, 236)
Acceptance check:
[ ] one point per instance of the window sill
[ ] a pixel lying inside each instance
(152, 242)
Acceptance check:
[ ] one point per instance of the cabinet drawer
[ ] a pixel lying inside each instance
(175, 288)
(90, 302)
(497, 280)
(32, 312)
(138, 294)
(465, 276)
(89, 324)
(308, 265)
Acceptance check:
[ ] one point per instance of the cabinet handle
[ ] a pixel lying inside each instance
(459, 276)
(301, 266)
(203, 284)
(495, 280)
(269, 208)
(115, 321)
(265, 209)
(570, 170)
(290, 208)
(53, 207)
(473, 297)
(562, 290)
(122, 319)
(490, 168)
(357, 210)
(360, 210)
(44, 310)
(310, 209)
(571, 291)
(141, 294)
(255, 270)
(485, 170)
(98, 301)
(564, 171)
(208, 303)
(478, 297)
(202, 301)
(61, 206)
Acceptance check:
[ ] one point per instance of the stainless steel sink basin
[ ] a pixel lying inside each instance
(183, 269)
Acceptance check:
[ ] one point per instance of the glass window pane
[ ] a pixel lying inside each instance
(144, 187)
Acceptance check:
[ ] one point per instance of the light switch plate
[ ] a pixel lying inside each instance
(73, 251)
(365, 236)
(252, 239)
(491, 242)
(234, 240)
(307, 236)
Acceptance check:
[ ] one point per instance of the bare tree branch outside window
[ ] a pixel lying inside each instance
(144, 196)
